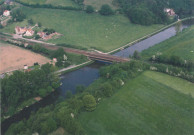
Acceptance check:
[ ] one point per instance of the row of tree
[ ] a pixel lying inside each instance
(173, 60)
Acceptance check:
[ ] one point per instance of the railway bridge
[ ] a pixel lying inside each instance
(92, 55)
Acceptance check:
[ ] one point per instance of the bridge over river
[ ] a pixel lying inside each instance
(92, 55)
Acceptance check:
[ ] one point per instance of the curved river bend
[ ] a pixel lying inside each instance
(86, 75)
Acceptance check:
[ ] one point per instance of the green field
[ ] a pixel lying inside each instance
(180, 45)
(87, 30)
(146, 105)
(98, 3)
(63, 3)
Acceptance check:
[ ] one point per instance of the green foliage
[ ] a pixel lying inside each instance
(89, 102)
(136, 55)
(68, 94)
(107, 89)
(144, 101)
(106, 10)
(180, 45)
(21, 86)
(144, 12)
(39, 24)
(49, 31)
(89, 9)
(48, 126)
(18, 15)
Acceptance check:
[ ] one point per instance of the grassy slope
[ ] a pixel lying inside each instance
(87, 30)
(52, 2)
(180, 45)
(143, 106)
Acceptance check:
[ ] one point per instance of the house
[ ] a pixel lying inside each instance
(6, 13)
(41, 34)
(25, 67)
(29, 32)
(169, 11)
(20, 30)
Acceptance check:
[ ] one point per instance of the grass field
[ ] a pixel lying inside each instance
(181, 45)
(98, 3)
(87, 30)
(146, 105)
(63, 3)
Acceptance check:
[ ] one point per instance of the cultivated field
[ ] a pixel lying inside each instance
(14, 58)
(64, 3)
(104, 33)
(180, 45)
(146, 105)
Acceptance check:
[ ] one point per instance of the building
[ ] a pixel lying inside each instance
(20, 30)
(41, 34)
(6, 13)
(25, 67)
(29, 32)
(169, 11)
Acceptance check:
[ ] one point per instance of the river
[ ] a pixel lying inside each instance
(88, 74)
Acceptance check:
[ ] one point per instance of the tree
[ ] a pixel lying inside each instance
(18, 15)
(106, 10)
(89, 9)
(89, 102)
(1, 26)
(39, 24)
(136, 55)
(107, 89)
(68, 94)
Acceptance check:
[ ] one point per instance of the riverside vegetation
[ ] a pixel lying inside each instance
(115, 79)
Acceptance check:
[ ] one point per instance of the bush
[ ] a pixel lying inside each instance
(89, 102)
(106, 10)
(89, 9)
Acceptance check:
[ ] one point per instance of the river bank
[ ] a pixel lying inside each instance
(85, 76)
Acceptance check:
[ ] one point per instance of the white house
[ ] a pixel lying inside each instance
(6, 13)
(29, 32)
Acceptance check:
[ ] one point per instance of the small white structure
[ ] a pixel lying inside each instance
(6, 13)
(169, 11)
(54, 60)
(65, 57)
(25, 67)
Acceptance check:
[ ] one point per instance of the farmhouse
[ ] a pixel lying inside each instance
(20, 30)
(29, 32)
(169, 11)
(24, 30)
(6, 13)
(41, 34)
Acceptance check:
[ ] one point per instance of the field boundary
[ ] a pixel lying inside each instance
(147, 36)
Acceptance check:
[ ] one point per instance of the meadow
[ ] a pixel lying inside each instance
(181, 45)
(145, 105)
(78, 28)
(64, 3)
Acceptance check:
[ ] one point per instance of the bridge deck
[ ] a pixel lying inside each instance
(91, 55)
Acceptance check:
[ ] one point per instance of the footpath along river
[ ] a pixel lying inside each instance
(88, 74)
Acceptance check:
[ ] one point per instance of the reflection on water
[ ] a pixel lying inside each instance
(86, 75)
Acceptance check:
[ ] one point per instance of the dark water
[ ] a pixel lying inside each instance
(86, 75)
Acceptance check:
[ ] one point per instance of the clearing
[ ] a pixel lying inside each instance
(145, 105)
(14, 58)
(180, 45)
(80, 29)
